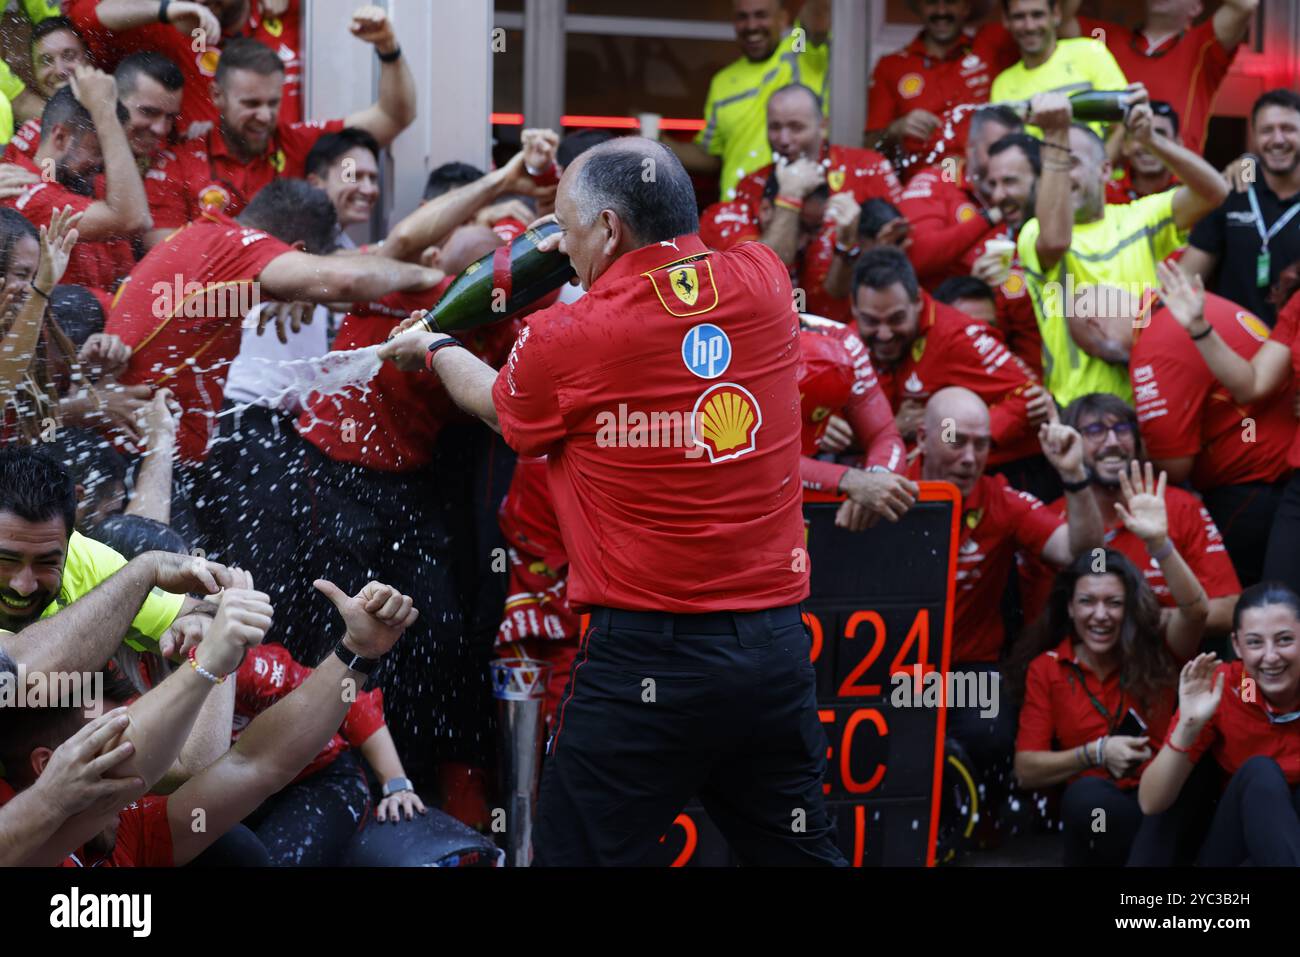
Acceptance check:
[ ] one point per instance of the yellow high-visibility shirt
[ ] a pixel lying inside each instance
(1080, 63)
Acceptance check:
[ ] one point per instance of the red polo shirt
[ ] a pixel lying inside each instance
(1193, 533)
(997, 520)
(1240, 729)
(1287, 333)
(269, 673)
(952, 349)
(948, 227)
(1121, 191)
(25, 141)
(99, 266)
(144, 839)
(282, 34)
(1185, 71)
(395, 423)
(1058, 713)
(1183, 410)
(202, 175)
(610, 388)
(910, 79)
(186, 339)
(724, 225)
(836, 378)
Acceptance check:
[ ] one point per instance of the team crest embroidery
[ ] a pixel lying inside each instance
(273, 26)
(278, 161)
(910, 85)
(820, 413)
(726, 421)
(207, 61)
(973, 518)
(214, 198)
(918, 350)
(835, 179)
(1253, 325)
(685, 288)
(685, 284)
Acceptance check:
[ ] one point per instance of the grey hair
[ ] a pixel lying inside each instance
(643, 183)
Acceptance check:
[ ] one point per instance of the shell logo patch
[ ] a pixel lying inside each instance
(1253, 325)
(726, 422)
(835, 180)
(910, 85)
(685, 288)
(1014, 287)
(965, 213)
(207, 61)
(214, 198)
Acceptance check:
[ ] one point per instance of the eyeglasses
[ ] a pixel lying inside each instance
(1097, 430)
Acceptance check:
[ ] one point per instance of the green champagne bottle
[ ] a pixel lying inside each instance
(1089, 106)
(501, 284)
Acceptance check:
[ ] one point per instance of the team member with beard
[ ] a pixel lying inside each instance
(1111, 447)
(1096, 684)
(1244, 714)
(83, 136)
(1241, 248)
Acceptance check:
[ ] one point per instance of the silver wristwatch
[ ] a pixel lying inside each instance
(397, 786)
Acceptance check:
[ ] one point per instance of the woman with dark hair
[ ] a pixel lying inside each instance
(1096, 683)
(1251, 729)
(1267, 371)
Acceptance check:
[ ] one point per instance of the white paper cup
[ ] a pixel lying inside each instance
(1006, 251)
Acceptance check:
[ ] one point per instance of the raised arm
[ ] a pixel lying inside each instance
(1199, 693)
(83, 636)
(1084, 528)
(1232, 21)
(124, 210)
(1054, 207)
(302, 276)
(394, 111)
(1203, 189)
(1246, 381)
(1142, 508)
(18, 346)
(467, 379)
(186, 17)
(796, 181)
(283, 739)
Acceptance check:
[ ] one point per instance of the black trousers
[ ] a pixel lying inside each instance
(311, 822)
(662, 707)
(370, 525)
(1244, 515)
(1257, 821)
(1100, 821)
(1282, 561)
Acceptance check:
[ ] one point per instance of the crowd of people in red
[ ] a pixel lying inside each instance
(993, 295)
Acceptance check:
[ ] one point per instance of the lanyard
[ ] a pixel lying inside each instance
(1112, 721)
(1277, 227)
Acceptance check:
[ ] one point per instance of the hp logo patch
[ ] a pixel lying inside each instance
(706, 350)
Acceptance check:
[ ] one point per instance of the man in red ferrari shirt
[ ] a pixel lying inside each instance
(919, 346)
(949, 205)
(159, 831)
(183, 309)
(249, 147)
(114, 29)
(84, 135)
(915, 91)
(1109, 427)
(1179, 61)
(689, 552)
(996, 521)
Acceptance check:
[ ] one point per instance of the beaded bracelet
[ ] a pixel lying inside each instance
(203, 672)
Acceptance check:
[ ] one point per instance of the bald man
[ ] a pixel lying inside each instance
(997, 520)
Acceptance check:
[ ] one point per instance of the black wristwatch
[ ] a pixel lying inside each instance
(389, 57)
(1077, 486)
(354, 661)
(435, 347)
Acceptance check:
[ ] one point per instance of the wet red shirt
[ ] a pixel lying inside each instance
(269, 673)
(1120, 189)
(182, 314)
(1058, 713)
(1185, 71)
(144, 839)
(281, 34)
(952, 349)
(910, 79)
(657, 513)
(948, 225)
(1240, 728)
(99, 265)
(1193, 533)
(1287, 333)
(836, 378)
(203, 176)
(1183, 410)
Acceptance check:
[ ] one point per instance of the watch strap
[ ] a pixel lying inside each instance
(447, 343)
(354, 661)
(389, 57)
(397, 786)
(1077, 486)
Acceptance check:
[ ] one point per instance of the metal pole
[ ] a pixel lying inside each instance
(544, 55)
(850, 69)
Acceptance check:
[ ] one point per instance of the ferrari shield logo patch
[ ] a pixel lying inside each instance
(685, 284)
(835, 179)
(685, 288)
